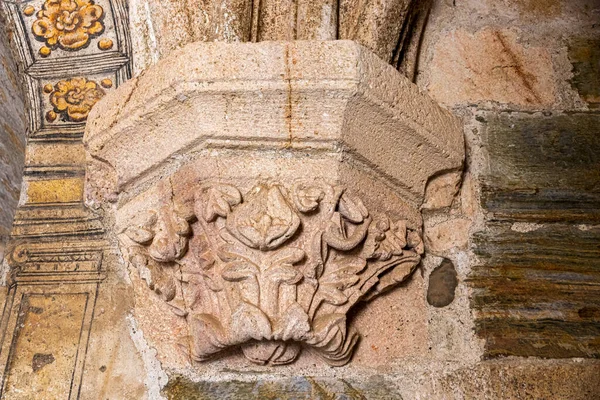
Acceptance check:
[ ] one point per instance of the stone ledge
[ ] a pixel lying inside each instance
(302, 96)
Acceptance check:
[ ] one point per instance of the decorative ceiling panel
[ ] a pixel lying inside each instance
(72, 53)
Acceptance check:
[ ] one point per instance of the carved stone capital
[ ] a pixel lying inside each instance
(263, 190)
(271, 268)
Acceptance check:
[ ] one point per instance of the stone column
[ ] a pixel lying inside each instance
(390, 28)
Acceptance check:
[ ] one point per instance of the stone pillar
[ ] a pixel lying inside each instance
(390, 28)
(263, 191)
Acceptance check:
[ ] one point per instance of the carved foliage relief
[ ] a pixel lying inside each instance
(271, 270)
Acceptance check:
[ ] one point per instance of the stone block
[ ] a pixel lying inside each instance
(543, 168)
(535, 290)
(584, 54)
(491, 65)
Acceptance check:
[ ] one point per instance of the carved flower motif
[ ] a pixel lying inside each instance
(74, 98)
(259, 278)
(265, 221)
(68, 24)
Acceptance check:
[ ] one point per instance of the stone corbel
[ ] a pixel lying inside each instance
(263, 190)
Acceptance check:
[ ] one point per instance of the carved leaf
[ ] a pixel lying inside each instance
(139, 235)
(307, 198)
(208, 336)
(265, 221)
(326, 328)
(281, 267)
(343, 272)
(237, 271)
(334, 249)
(249, 322)
(332, 295)
(162, 282)
(289, 256)
(212, 283)
(336, 236)
(293, 325)
(414, 240)
(283, 274)
(402, 268)
(341, 275)
(228, 252)
(352, 209)
(332, 339)
(387, 241)
(219, 200)
(141, 229)
(271, 352)
(170, 239)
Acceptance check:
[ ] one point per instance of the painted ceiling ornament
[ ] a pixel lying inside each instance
(272, 270)
(73, 99)
(67, 24)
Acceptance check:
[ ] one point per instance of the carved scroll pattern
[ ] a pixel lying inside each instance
(272, 269)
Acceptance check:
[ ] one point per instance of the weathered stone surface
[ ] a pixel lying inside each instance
(519, 378)
(313, 388)
(584, 54)
(442, 236)
(266, 252)
(292, 107)
(491, 65)
(442, 284)
(543, 168)
(12, 135)
(510, 378)
(441, 190)
(537, 278)
(537, 290)
(390, 28)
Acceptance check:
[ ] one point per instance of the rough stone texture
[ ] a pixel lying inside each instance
(311, 97)
(442, 284)
(584, 54)
(390, 28)
(526, 260)
(546, 167)
(509, 379)
(290, 244)
(12, 135)
(531, 187)
(491, 65)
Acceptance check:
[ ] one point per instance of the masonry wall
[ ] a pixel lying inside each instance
(12, 135)
(524, 76)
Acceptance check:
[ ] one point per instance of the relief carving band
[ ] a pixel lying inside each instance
(273, 269)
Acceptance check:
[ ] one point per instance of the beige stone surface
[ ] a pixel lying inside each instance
(491, 65)
(315, 95)
(441, 236)
(441, 190)
(254, 208)
(159, 27)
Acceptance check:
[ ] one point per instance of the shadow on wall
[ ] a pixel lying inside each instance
(13, 128)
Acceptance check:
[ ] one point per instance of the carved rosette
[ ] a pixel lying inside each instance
(270, 270)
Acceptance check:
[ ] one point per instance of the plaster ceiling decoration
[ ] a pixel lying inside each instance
(71, 52)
